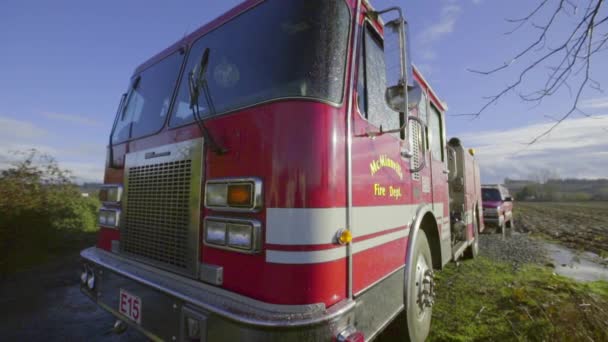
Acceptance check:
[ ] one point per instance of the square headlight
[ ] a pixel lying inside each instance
(109, 218)
(111, 193)
(215, 232)
(216, 194)
(240, 236)
(234, 194)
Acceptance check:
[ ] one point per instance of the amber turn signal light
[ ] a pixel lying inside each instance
(240, 195)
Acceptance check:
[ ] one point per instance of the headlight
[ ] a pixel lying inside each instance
(109, 217)
(233, 234)
(240, 235)
(216, 195)
(243, 194)
(498, 208)
(111, 193)
(215, 232)
(91, 281)
(84, 275)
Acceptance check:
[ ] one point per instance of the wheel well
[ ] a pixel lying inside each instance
(429, 227)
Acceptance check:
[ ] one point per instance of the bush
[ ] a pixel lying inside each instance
(42, 211)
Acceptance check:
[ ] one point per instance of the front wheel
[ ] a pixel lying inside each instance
(420, 290)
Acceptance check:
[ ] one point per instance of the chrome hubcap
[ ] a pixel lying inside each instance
(425, 286)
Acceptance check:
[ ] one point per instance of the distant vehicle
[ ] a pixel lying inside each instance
(497, 206)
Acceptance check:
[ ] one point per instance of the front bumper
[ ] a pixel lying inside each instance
(493, 221)
(169, 299)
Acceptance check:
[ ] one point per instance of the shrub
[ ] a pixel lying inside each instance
(41, 210)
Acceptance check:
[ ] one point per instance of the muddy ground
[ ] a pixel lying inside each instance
(581, 225)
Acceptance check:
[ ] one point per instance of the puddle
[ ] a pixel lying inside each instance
(578, 266)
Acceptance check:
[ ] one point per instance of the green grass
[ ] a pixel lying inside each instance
(487, 300)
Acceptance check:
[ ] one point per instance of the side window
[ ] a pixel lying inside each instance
(436, 132)
(371, 84)
(422, 114)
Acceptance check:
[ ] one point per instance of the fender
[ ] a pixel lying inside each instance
(415, 228)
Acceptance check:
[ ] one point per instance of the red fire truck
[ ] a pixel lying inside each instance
(282, 173)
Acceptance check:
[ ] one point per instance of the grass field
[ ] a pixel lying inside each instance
(578, 225)
(487, 300)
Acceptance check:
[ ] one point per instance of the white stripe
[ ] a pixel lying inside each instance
(307, 257)
(303, 226)
(312, 257)
(370, 220)
(379, 240)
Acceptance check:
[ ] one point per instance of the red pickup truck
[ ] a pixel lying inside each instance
(497, 206)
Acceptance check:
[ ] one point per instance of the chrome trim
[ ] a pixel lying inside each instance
(349, 145)
(258, 200)
(186, 150)
(221, 302)
(212, 274)
(365, 289)
(256, 227)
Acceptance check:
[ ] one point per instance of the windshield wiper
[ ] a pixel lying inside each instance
(197, 81)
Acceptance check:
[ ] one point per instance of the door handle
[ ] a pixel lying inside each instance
(447, 172)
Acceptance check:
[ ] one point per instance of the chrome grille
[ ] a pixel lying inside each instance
(162, 206)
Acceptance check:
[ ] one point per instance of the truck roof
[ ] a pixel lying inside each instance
(189, 38)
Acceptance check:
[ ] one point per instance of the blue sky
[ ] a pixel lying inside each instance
(64, 64)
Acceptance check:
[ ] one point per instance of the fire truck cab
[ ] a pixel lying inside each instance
(281, 173)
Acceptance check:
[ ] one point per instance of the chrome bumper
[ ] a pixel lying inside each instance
(493, 220)
(168, 299)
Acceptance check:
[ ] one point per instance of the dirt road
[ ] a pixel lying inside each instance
(45, 303)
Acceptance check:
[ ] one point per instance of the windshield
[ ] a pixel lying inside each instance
(148, 101)
(278, 49)
(491, 195)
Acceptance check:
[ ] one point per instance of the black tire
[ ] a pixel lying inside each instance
(418, 313)
(510, 224)
(473, 250)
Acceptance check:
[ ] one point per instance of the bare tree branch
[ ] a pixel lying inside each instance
(569, 63)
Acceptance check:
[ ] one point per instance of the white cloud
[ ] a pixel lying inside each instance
(447, 21)
(73, 119)
(576, 148)
(84, 160)
(599, 103)
(16, 129)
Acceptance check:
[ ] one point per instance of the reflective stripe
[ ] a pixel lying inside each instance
(303, 226)
(312, 257)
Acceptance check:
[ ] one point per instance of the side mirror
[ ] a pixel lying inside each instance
(395, 98)
(508, 199)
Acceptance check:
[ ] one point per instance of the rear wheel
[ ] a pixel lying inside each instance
(421, 291)
(473, 250)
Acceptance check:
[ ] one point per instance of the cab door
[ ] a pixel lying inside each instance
(439, 170)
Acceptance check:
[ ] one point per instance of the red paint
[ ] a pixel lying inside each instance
(105, 238)
(280, 283)
(375, 263)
